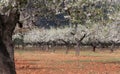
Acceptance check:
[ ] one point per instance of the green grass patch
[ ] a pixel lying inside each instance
(109, 60)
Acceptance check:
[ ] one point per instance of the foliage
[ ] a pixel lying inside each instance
(97, 33)
(81, 12)
(77, 11)
(87, 11)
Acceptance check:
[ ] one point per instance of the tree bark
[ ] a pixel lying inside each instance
(7, 65)
(7, 26)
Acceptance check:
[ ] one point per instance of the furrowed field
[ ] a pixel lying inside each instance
(35, 61)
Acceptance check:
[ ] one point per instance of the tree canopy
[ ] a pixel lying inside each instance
(78, 11)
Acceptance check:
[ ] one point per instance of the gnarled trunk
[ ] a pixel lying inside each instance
(7, 26)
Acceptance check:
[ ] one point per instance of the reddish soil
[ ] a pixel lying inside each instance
(37, 62)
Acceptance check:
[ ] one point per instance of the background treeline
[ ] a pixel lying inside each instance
(69, 22)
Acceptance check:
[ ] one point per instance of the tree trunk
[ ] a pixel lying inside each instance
(77, 49)
(112, 47)
(9, 46)
(54, 47)
(7, 26)
(7, 65)
(67, 49)
(94, 48)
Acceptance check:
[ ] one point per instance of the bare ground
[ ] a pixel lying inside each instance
(39, 62)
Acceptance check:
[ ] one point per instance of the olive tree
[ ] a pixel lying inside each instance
(9, 17)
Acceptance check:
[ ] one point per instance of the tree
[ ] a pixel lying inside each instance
(8, 20)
